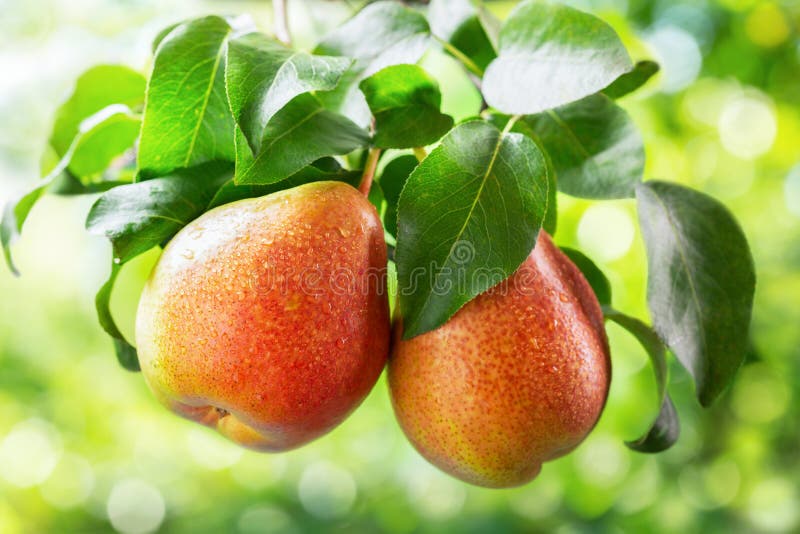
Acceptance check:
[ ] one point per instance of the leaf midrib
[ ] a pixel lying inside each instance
(485, 179)
(206, 98)
(685, 265)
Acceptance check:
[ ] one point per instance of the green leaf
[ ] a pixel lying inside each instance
(633, 80)
(700, 284)
(592, 273)
(392, 180)
(263, 75)
(405, 102)
(664, 431)
(126, 354)
(594, 146)
(520, 126)
(380, 35)
(16, 211)
(96, 89)
(300, 133)
(326, 169)
(551, 55)
(104, 136)
(140, 216)
(469, 215)
(467, 26)
(186, 118)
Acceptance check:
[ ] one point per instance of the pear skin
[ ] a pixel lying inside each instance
(268, 318)
(515, 378)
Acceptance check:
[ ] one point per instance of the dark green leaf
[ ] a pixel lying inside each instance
(321, 170)
(592, 273)
(405, 102)
(700, 282)
(392, 180)
(300, 133)
(16, 210)
(551, 55)
(594, 146)
(520, 126)
(468, 216)
(467, 26)
(186, 118)
(633, 80)
(140, 216)
(96, 89)
(664, 431)
(380, 35)
(126, 354)
(263, 75)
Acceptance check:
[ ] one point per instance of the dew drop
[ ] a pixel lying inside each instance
(563, 297)
(196, 232)
(188, 254)
(344, 231)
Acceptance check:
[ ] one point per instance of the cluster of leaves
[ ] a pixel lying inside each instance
(229, 113)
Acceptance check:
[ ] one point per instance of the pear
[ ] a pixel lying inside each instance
(515, 378)
(268, 318)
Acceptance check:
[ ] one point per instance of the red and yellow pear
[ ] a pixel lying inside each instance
(517, 377)
(267, 318)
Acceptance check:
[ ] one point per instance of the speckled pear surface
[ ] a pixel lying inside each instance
(268, 318)
(516, 377)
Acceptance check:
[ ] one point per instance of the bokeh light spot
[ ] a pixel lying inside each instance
(327, 491)
(747, 126)
(70, 484)
(605, 232)
(759, 395)
(602, 462)
(679, 55)
(265, 520)
(791, 191)
(767, 26)
(257, 471)
(774, 506)
(211, 450)
(29, 453)
(722, 480)
(135, 507)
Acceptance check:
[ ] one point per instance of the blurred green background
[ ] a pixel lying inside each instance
(85, 448)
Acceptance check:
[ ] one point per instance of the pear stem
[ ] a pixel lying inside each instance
(461, 57)
(369, 171)
(420, 153)
(281, 15)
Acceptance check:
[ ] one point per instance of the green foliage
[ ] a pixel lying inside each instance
(262, 76)
(382, 34)
(405, 102)
(392, 181)
(97, 88)
(633, 80)
(321, 170)
(186, 116)
(468, 216)
(664, 431)
(594, 147)
(140, 216)
(468, 27)
(302, 132)
(600, 284)
(701, 281)
(229, 115)
(126, 353)
(551, 55)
